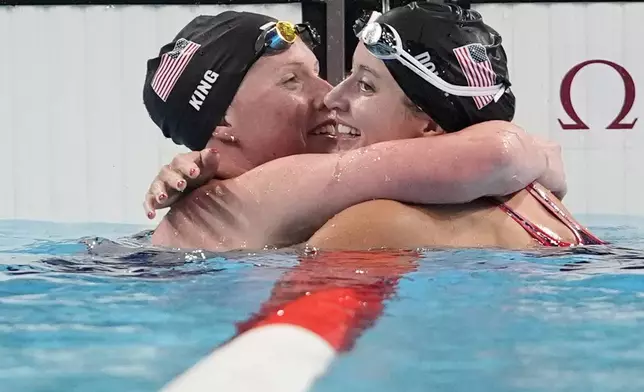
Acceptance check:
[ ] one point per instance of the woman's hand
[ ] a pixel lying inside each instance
(187, 171)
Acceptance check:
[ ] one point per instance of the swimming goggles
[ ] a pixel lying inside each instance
(383, 41)
(276, 37)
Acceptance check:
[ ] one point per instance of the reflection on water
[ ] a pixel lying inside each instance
(110, 312)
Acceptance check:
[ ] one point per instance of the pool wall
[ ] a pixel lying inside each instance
(546, 43)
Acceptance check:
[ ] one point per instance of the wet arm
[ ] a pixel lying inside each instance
(293, 196)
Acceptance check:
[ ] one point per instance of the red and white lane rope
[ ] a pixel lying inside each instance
(290, 344)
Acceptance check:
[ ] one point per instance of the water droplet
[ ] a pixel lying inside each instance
(337, 172)
(310, 250)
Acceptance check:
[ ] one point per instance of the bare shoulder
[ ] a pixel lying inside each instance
(386, 212)
(371, 224)
(373, 206)
(205, 218)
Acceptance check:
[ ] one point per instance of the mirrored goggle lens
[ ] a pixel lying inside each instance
(286, 31)
(378, 41)
(381, 50)
(279, 37)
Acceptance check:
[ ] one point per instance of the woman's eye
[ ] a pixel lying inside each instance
(365, 87)
(289, 79)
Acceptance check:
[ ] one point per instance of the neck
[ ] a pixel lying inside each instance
(232, 168)
(232, 161)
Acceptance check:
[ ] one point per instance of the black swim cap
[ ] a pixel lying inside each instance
(431, 32)
(191, 83)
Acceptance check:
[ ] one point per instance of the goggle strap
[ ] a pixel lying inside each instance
(417, 67)
(463, 91)
(500, 93)
(266, 26)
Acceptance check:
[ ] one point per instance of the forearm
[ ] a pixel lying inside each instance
(495, 158)
(298, 194)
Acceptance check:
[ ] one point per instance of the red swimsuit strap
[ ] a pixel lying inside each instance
(582, 234)
(535, 231)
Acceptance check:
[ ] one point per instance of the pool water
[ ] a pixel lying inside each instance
(93, 307)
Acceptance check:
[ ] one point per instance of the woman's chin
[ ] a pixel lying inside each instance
(348, 142)
(320, 144)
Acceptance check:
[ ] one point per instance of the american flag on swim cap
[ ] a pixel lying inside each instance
(477, 69)
(172, 66)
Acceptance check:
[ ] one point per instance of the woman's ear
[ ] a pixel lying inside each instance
(432, 129)
(224, 132)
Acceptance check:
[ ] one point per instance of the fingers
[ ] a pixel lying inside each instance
(209, 164)
(187, 164)
(154, 199)
(167, 181)
(159, 197)
(185, 170)
(196, 168)
(210, 158)
(148, 206)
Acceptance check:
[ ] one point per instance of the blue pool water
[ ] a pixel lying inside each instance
(88, 307)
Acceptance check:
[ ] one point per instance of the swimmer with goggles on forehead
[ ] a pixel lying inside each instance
(384, 43)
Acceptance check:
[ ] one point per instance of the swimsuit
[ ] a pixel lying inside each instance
(582, 235)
